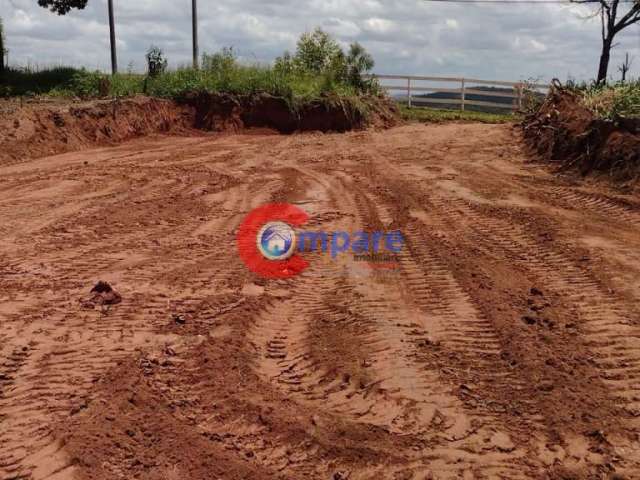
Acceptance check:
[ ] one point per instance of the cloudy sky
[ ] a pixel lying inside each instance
(507, 42)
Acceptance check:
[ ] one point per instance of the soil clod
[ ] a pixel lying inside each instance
(102, 294)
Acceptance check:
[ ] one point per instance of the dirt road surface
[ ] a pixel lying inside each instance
(503, 343)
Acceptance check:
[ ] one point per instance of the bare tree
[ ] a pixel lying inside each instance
(625, 67)
(616, 15)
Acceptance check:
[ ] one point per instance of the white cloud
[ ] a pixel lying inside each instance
(379, 25)
(452, 23)
(537, 46)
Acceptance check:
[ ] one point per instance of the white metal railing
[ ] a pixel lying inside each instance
(459, 95)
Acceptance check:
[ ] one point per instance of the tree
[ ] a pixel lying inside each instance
(358, 62)
(625, 67)
(62, 7)
(316, 51)
(319, 55)
(614, 18)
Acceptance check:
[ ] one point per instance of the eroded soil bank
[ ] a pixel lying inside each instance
(36, 130)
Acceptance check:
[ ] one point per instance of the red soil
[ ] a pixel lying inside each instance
(505, 343)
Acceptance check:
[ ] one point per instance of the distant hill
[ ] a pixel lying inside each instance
(482, 97)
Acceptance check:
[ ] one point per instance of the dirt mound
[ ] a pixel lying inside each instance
(221, 112)
(34, 131)
(563, 130)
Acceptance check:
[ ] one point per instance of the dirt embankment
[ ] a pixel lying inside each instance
(219, 112)
(563, 130)
(35, 130)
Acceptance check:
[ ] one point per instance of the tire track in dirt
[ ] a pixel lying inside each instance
(403, 399)
(368, 382)
(454, 214)
(282, 332)
(602, 314)
(555, 193)
(450, 325)
(607, 329)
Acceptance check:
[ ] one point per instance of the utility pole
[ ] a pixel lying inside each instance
(1, 48)
(112, 31)
(194, 20)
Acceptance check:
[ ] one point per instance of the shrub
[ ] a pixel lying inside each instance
(318, 54)
(358, 63)
(223, 61)
(156, 63)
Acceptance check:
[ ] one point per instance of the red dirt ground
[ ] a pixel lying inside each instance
(506, 344)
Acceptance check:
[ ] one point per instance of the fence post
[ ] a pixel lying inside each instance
(409, 91)
(520, 94)
(462, 95)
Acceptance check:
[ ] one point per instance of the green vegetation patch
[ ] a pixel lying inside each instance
(319, 70)
(431, 115)
(613, 100)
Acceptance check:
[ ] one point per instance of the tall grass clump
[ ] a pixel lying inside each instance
(613, 100)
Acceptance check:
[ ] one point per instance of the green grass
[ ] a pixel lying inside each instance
(431, 115)
(235, 79)
(614, 100)
(297, 88)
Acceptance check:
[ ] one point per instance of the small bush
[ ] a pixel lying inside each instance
(223, 61)
(156, 63)
(317, 54)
